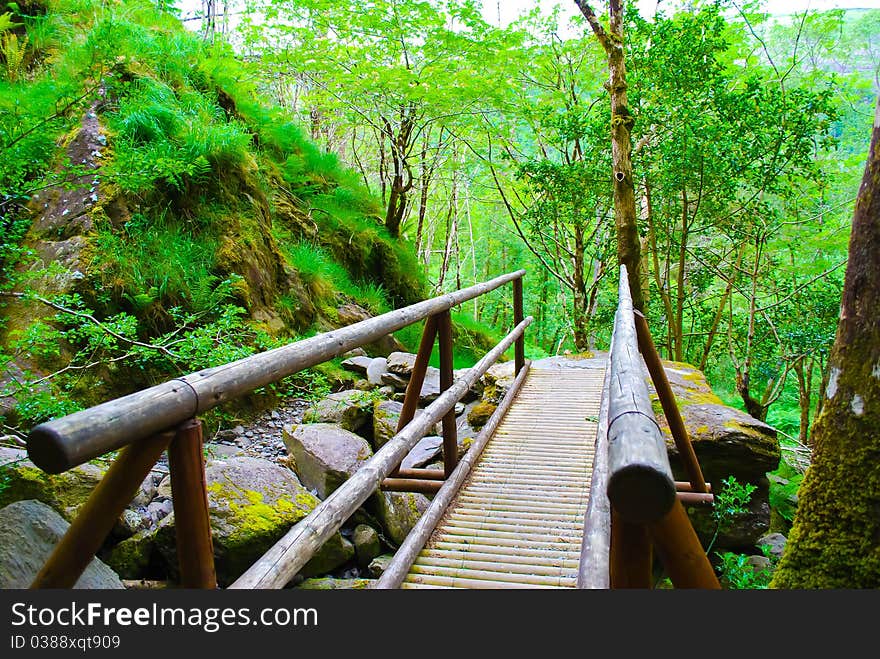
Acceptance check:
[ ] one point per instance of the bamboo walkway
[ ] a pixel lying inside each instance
(517, 521)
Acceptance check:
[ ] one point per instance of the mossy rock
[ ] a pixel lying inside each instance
(480, 413)
(135, 557)
(329, 583)
(349, 410)
(64, 492)
(252, 504)
(398, 512)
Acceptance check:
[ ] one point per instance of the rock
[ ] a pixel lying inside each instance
(776, 542)
(324, 455)
(426, 450)
(496, 381)
(159, 509)
(357, 364)
(366, 544)
(758, 563)
(136, 557)
(129, 523)
(727, 442)
(64, 492)
(348, 409)
(252, 503)
(458, 410)
(476, 389)
(379, 564)
(329, 583)
(399, 369)
(376, 368)
(355, 352)
(29, 531)
(337, 551)
(386, 415)
(480, 413)
(745, 528)
(398, 512)
(146, 492)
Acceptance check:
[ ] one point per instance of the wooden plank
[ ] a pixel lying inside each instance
(406, 554)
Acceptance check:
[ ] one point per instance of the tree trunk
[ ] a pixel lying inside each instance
(580, 302)
(628, 247)
(835, 541)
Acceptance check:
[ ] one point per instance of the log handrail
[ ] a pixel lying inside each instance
(144, 423)
(61, 444)
(640, 484)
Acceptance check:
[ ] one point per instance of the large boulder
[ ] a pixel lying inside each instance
(29, 531)
(727, 442)
(398, 512)
(357, 364)
(252, 503)
(64, 492)
(324, 455)
(425, 451)
(347, 409)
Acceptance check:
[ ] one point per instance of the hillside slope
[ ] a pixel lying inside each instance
(159, 215)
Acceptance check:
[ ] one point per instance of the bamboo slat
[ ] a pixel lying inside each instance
(518, 520)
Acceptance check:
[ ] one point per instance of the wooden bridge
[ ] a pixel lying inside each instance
(567, 485)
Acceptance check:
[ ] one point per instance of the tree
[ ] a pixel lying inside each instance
(835, 540)
(628, 246)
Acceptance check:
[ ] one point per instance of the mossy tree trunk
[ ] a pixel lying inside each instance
(835, 541)
(628, 245)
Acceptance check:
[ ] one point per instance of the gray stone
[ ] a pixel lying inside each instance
(376, 369)
(353, 313)
(348, 409)
(366, 544)
(395, 381)
(379, 564)
(129, 523)
(401, 363)
(29, 531)
(399, 512)
(424, 452)
(776, 542)
(357, 364)
(324, 455)
(146, 492)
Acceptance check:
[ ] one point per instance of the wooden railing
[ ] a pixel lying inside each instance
(146, 423)
(635, 505)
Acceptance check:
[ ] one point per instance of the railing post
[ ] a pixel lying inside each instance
(630, 560)
(192, 523)
(450, 437)
(520, 346)
(667, 401)
(680, 551)
(100, 512)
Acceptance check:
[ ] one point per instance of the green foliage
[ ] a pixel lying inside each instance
(736, 572)
(731, 500)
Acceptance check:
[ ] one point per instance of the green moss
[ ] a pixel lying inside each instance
(835, 540)
(480, 413)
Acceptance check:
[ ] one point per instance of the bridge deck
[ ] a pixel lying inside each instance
(517, 521)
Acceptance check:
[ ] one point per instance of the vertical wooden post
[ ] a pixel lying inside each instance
(192, 523)
(670, 407)
(520, 346)
(450, 439)
(630, 559)
(99, 513)
(417, 378)
(680, 551)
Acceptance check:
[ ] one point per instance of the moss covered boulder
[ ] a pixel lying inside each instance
(398, 512)
(349, 409)
(252, 503)
(727, 442)
(496, 381)
(479, 414)
(325, 455)
(63, 492)
(329, 583)
(386, 415)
